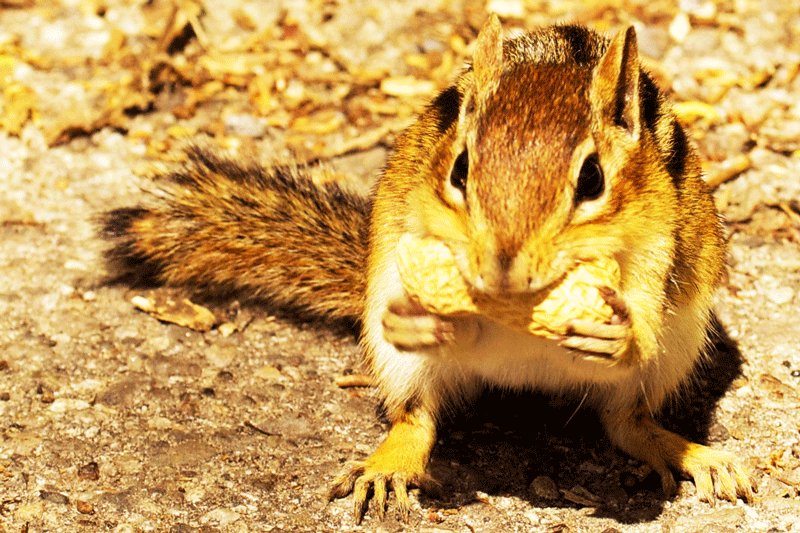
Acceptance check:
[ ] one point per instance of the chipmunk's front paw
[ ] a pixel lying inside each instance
(602, 342)
(717, 474)
(409, 327)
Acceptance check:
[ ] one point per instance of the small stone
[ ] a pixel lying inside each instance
(242, 125)
(62, 405)
(47, 395)
(53, 497)
(89, 296)
(4, 396)
(718, 432)
(3, 365)
(781, 295)
(226, 329)
(221, 516)
(84, 507)
(224, 375)
(89, 471)
(544, 487)
(268, 373)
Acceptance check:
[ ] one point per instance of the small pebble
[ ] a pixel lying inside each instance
(226, 329)
(245, 125)
(781, 295)
(224, 375)
(89, 296)
(221, 516)
(4, 396)
(268, 373)
(89, 471)
(53, 497)
(47, 395)
(62, 405)
(84, 507)
(544, 487)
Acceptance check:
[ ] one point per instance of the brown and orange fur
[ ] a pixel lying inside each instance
(529, 113)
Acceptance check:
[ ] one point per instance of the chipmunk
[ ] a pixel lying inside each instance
(549, 146)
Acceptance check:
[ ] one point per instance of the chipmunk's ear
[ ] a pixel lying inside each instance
(487, 60)
(615, 83)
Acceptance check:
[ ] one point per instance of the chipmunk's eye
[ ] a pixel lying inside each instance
(591, 182)
(458, 176)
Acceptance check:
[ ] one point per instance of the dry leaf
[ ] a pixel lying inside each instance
(181, 312)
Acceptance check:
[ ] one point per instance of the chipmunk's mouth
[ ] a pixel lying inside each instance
(507, 279)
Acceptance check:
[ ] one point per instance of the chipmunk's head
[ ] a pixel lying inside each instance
(544, 157)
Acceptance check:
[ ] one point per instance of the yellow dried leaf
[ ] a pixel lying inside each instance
(407, 86)
(182, 312)
(16, 107)
(430, 275)
(689, 112)
(320, 123)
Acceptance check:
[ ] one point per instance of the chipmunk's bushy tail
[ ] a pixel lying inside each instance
(227, 227)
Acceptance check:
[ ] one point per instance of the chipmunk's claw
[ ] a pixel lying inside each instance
(717, 475)
(362, 480)
(344, 482)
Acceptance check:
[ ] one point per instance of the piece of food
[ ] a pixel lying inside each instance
(430, 275)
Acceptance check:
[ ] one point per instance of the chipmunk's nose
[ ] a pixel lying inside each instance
(500, 273)
(511, 273)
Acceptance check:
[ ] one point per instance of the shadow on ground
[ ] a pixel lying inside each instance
(509, 439)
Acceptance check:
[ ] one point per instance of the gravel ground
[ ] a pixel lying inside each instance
(113, 420)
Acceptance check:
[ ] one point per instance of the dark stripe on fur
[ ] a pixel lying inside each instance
(448, 104)
(124, 261)
(581, 42)
(676, 162)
